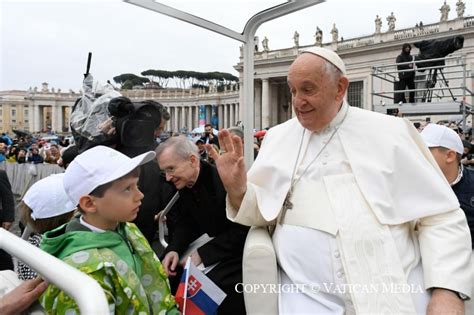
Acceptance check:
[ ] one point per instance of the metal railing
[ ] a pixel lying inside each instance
(87, 293)
(439, 89)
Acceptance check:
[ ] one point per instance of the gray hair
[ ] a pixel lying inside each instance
(180, 146)
(332, 71)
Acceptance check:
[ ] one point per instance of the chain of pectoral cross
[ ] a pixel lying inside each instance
(287, 204)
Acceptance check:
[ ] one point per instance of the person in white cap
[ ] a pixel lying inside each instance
(345, 199)
(447, 149)
(44, 207)
(101, 242)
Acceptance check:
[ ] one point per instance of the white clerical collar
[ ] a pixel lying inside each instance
(458, 179)
(337, 120)
(90, 226)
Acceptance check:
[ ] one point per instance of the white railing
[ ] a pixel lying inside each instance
(87, 293)
(469, 21)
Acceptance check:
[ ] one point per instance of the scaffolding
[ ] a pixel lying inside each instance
(439, 90)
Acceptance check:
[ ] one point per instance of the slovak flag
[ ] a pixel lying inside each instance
(197, 294)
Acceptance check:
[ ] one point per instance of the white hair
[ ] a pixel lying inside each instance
(181, 146)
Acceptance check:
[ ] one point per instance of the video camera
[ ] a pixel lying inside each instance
(436, 48)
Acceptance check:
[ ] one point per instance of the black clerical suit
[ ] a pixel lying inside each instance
(199, 210)
(7, 214)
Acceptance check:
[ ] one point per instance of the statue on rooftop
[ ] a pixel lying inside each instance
(296, 39)
(378, 24)
(460, 7)
(265, 44)
(318, 36)
(334, 33)
(444, 12)
(391, 22)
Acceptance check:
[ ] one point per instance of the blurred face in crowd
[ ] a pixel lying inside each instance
(182, 172)
(201, 146)
(208, 130)
(21, 153)
(316, 94)
(54, 150)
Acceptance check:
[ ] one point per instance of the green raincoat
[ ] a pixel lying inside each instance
(121, 261)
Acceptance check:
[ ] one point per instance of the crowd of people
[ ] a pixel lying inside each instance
(30, 149)
(356, 200)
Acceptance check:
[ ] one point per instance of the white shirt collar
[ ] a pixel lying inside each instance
(90, 226)
(458, 179)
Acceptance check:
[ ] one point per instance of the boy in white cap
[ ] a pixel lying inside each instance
(44, 207)
(101, 242)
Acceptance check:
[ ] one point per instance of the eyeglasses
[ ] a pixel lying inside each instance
(169, 171)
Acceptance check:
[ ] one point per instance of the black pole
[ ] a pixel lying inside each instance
(89, 58)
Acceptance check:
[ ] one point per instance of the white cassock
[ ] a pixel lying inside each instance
(363, 215)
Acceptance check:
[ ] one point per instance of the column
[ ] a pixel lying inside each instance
(37, 114)
(237, 112)
(189, 118)
(182, 120)
(54, 118)
(231, 115)
(265, 103)
(208, 114)
(226, 119)
(220, 115)
(241, 100)
(258, 107)
(196, 116)
(59, 120)
(31, 117)
(175, 119)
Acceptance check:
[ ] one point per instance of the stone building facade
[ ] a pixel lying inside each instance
(46, 109)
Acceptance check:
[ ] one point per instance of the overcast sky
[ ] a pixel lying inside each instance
(48, 41)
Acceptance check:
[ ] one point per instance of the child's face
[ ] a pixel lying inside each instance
(120, 202)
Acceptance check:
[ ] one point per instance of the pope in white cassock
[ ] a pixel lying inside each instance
(359, 206)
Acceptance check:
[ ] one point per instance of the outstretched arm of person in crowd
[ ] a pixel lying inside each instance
(231, 167)
(19, 299)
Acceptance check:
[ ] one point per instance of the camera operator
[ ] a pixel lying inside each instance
(138, 125)
(407, 78)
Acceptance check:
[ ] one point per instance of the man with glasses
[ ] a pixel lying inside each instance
(200, 210)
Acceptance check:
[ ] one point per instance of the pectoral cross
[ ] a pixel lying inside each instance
(287, 203)
(286, 206)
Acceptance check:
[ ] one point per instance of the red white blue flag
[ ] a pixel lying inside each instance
(197, 294)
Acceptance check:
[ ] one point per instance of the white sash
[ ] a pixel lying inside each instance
(368, 251)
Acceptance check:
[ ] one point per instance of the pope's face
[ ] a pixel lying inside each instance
(316, 96)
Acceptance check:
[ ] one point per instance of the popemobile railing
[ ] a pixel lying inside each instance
(439, 89)
(87, 293)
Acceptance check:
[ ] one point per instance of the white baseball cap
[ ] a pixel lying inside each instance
(98, 166)
(47, 198)
(441, 136)
(327, 54)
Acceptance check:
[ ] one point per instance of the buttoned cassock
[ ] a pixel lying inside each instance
(366, 211)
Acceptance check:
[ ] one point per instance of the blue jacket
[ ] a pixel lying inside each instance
(464, 190)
